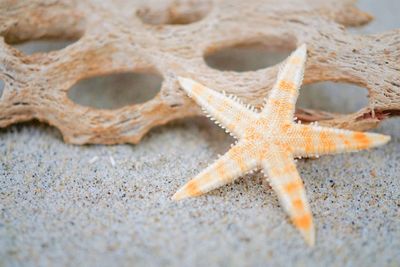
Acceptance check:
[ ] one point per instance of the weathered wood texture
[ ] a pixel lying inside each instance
(171, 37)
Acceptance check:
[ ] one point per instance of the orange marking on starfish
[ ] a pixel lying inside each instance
(253, 134)
(278, 171)
(280, 105)
(262, 123)
(250, 131)
(290, 168)
(344, 139)
(221, 170)
(236, 156)
(240, 162)
(238, 117)
(309, 146)
(292, 187)
(362, 139)
(295, 60)
(206, 177)
(308, 140)
(275, 172)
(303, 222)
(284, 106)
(326, 141)
(231, 126)
(286, 147)
(221, 107)
(193, 189)
(305, 131)
(359, 136)
(264, 151)
(197, 89)
(287, 86)
(298, 204)
(285, 127)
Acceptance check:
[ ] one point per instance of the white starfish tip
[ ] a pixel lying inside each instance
(301, 51)
(303, 47)
(377, 139)
(180, 194)
(385, 138)
(186, 83)
(309, 236)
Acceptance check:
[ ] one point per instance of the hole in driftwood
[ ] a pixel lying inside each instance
(2, 84)
(42, 46)
(184, 12)
(115, 90)
(246, 57)
(333, 97)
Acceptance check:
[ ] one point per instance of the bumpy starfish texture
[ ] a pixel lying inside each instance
(270, 140)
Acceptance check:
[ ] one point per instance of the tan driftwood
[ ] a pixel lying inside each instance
(120, 36)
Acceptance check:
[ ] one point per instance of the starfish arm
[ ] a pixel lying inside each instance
(286, 182)
(236, 162)
(281, 102)
(229, 113)
(317, 140)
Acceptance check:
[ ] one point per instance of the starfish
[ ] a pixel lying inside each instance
(270, 140)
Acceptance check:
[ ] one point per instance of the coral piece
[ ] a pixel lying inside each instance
(171, 37)
(270, 139)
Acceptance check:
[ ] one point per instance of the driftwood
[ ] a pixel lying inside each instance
(171, 38)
